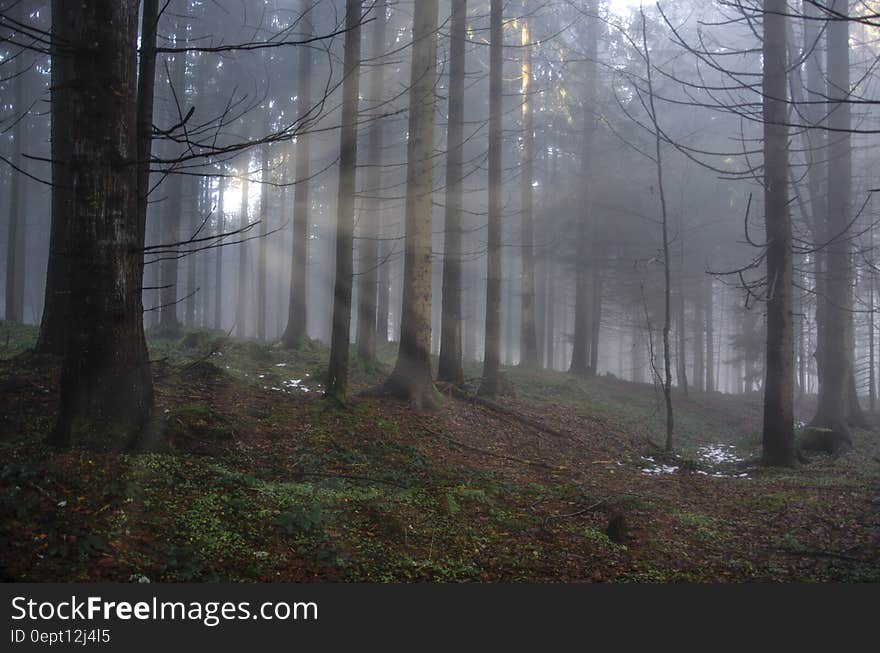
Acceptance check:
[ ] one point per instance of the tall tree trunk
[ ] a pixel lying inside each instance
(189, 209)
(583, 305)
(15, 243)
(528, 335)
(778, 433)
(295, 332)
(262, 261)
(698, 334)
(837, 360)
(169, 325)
(340, 335)
(450, 366)
(681, 350)
(106, 394)
(411, 378)
(492, 344)
(872, 359)
(145, 111)
(369, 250)
(710, 333)
(218, 253)
(53, 325)
(241, 303)
(667, 262)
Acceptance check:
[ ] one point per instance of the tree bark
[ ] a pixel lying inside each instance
(340, 334)
(15, 243)
(583, 304)
(372, 206)
(450, 365)
(778, 431)
(411, 378)
(241, 303)
(710, 333)
(262, 261)
(528, 334)
(218, 253)
(106, 394)
(296, 329)
(491, 383)
(169, 324)
(837, 385)
(53, 325)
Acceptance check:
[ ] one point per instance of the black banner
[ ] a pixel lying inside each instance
(391, 617)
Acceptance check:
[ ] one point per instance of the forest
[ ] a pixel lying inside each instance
(439, 291)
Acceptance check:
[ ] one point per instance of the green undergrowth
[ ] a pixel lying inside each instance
(264, 481)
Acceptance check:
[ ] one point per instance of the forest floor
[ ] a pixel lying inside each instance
(556, 481)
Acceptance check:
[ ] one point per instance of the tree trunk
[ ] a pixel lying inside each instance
(450, 365)
(189, 209)
(529, 340)
(492, 357)
(241, 304)
(698, 333)
(681, 350)
(411, 378)
(296, 332)
(836, 379)
(15, 243)
(106, 394)
(778, 433)
(218, 253)
(340, 335)
(53, 325)
(710, 334)
(580, 363)
(262, 262)
(169, 325)
(372, 205)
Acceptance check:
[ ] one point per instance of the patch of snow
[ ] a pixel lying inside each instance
(719, 454)
(657, 468)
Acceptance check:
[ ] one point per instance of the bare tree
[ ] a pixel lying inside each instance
(411, 378)
(295, 331)
(491, 383)
(337, 373)
(778, 433)
(450, 367)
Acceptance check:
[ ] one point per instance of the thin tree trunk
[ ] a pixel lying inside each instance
(710, 333)
(241, 303)
(667, 263)
(580, 363)
(262, 261)
(368, 286)
(450, 365)
(778, 432)
(411, 378)
(528, 336)
(296, 330)
(491, 383)
(218, 261)
(337, 372)
(106, 394)
(698, 335)
(169, 325)
(15, 243)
